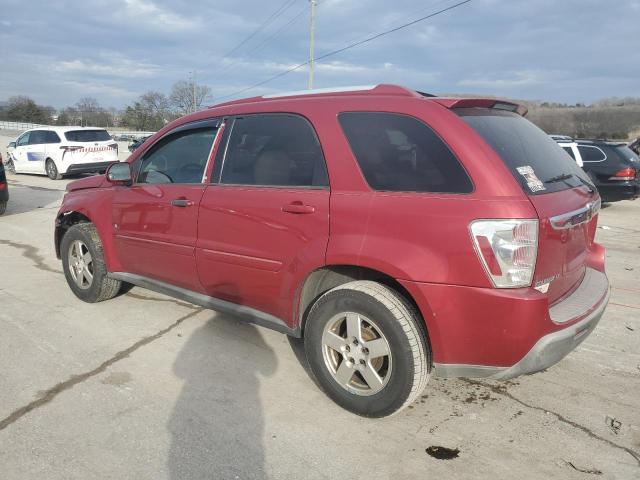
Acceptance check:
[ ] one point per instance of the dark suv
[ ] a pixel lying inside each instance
(613, 168)
(399, 234)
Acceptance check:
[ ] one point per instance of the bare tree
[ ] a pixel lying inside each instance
(187, 96)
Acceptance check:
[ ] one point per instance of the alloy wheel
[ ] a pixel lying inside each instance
(356, 353)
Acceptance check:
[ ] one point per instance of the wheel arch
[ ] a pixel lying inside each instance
(327, 277)
(64, 221)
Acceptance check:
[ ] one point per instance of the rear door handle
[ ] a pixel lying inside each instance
(182, 202)
(299, 208)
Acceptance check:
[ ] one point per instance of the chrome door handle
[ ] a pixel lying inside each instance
(182, 202)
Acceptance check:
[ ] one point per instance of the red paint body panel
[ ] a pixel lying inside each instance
(154, 238)
(251, 252)
(237, 244)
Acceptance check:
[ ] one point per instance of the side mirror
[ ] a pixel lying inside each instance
(119, 173)
(11, 145)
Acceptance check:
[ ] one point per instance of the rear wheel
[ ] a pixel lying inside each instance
(52, 170)
(366, 348)
(83, 264)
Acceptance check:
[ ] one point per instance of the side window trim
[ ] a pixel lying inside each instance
(212, 122)
(218, 175)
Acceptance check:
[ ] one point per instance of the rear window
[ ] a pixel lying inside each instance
(627, 154)
(536, 161)
(399, 153)
(87, 135)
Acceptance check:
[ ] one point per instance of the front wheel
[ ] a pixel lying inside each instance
(83, 264)
(367, 349)
(52, 170)
(11, 168)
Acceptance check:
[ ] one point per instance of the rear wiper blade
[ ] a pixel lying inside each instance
(567, 176)
(559, 178)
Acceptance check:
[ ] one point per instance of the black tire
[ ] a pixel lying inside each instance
(52, 170)
(3, 207)
(397, 321)
(101, 286)
(11, 168)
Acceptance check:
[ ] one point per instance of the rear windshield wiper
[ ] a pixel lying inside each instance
(559, 178)
(567, 176)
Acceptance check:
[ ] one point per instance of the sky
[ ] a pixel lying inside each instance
(115, 50)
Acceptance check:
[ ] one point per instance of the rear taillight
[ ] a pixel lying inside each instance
(507, 250)
(625, 174)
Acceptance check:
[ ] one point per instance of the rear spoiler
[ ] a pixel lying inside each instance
(481, 103)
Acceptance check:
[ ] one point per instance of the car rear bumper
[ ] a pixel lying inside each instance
(614, 192)
(500, 335)
(94, 167)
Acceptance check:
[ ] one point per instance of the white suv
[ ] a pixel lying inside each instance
(58, 151)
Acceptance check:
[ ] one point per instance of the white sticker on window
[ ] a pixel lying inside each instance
(533, 182)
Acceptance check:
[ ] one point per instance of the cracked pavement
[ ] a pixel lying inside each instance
(147, 387)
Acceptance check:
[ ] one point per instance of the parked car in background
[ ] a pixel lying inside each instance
(613, 167)
(4, 188)
(137, 142)
(401, 235)
(569, 146)
(58, 151)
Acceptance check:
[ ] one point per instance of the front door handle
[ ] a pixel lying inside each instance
(182, 202)
(298, 207)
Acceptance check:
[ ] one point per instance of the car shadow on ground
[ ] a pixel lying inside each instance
(217, 426)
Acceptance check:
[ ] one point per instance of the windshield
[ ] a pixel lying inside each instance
(536, 161)
(87, 136)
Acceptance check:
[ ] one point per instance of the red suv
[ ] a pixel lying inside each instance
(398, 233)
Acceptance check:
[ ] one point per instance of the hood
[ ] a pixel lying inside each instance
(94, 181)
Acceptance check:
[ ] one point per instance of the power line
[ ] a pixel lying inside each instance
(348, 47)
(265, 41)
(283, 8)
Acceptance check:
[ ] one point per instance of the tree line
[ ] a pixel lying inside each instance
(615, 118)
(149, 112)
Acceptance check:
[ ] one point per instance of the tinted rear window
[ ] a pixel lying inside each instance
(87, 136)
(533, 157)
(627, 154)
(400, 153)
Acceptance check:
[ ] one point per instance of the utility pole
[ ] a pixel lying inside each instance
(195, 106)
(312, 33)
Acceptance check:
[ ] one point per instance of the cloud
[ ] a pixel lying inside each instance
(108, 66)
(149, 14)
(511, 80)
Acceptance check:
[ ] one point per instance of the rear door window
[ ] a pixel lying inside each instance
(87, 135)
(38, 137)
(536, 161)
(399, 153)
(52, 137)
(277, 150)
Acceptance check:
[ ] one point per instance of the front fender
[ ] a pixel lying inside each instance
(93, 205)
